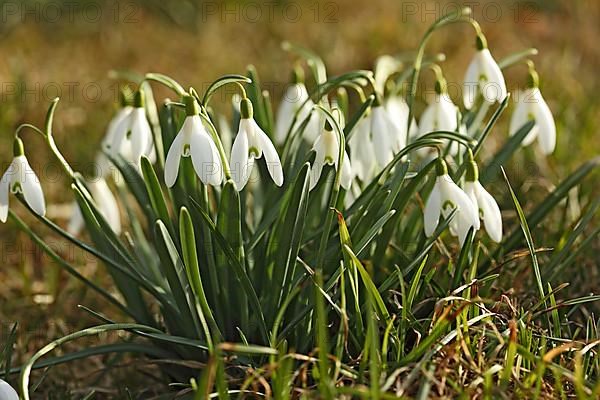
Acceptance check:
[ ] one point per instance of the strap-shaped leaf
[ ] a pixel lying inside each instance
(287, 234)
(239, 270)
(155, 194)
(174, 270)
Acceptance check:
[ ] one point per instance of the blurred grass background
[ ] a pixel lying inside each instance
(66, 48)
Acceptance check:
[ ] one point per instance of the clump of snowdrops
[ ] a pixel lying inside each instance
(339, 248)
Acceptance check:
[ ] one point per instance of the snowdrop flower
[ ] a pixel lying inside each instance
(532, 106)
(252, 142)
(362, 150)
(441, 114)
(489, 212)
(293, 100)
(445, 197)
(327, 147)
(106, 203)
(398, 111)
(20, 178)
(484, 75)
(132, 136)
(7, 392)
(194, 141)
(386, 139)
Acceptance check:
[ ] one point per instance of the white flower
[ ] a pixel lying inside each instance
(440, 115)
(445, 197)
(7, 392)
(386, 140)
(117, 123)
(398, 111)
(532, 106)
(133, 136)
(106, 203)
(194, 141)
(250, 143)
(327, 147)
(20, 178)
(483, 75)
(488, 209)
(294, 98)
(361, 148)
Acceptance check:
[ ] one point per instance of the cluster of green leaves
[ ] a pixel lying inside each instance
(302, 293)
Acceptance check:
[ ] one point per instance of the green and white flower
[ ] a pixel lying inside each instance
(194, 141)
(327, 148)
(483, 76)
(489, 212)
(531, 106)
(250, 143)
(20, 178)
(444, 198)
(132, 135)
(106, 203)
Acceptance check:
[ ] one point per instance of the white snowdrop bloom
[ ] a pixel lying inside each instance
(194, 141)
(362, 150)
(444, 198)
(117, 123)
(483, 76)
(489, 212)
(20, 178)
(398, 111)
(327, 148)
(531, 106)
(295, 98)
(133, 136)
(440, 115)
(7, 392)
(250, 143)
(386, 139)
(106, 203)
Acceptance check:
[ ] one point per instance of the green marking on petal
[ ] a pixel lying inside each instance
(253, 152)
(16, 188)
(448, 205)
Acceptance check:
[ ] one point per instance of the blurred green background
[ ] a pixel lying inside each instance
(66, 48)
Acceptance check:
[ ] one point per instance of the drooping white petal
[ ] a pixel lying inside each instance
(270, 154)
(314, 125)
(545, 123)
(205, 156)
(380, 130)
(107, 204)
(522, 115)
(347, 174)
(76, 222)
(317, 167)
(117, 124)
(239, 160)
(466, 215)
(471, 82)
(173, 160)
(490, 213)
(494, 89)
(31, 187)
(432, 209)
(361, 148)
(294, 97)
(141, 134)
(398, 111)
(4, 193)
(7, 392)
